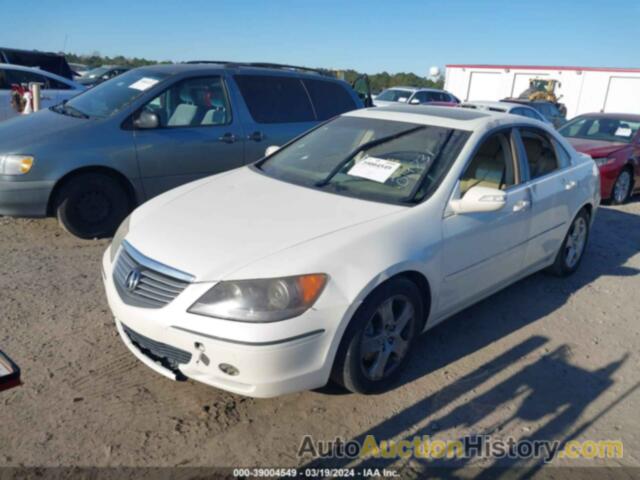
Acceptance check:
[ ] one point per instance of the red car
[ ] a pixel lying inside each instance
(613, 141)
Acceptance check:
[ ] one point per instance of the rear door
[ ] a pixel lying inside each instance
(545, 171)
(198, 134)
(278, 108)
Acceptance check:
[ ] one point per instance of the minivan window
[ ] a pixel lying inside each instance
(110, 97)
(192, 102)
(329, 98)
(275, 99)
(19, 77)
(369, 158)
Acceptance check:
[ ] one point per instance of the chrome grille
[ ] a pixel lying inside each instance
(155, 285)
(170, 357)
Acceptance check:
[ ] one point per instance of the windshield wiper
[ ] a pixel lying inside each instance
(66, 109)
(365, 146)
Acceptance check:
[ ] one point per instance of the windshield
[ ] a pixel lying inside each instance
(113, 95)
(369, 158)
(608, 129)
(96, 72)
(394, 95)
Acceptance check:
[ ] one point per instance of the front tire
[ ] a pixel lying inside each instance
(91, 205)
(377, 342)
(572, 250)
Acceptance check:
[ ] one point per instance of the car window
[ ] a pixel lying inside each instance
(108, 98)
(329, 98)
(394, 95)
(275, 99)
(23, 77)
(520, 111)
(609, 129)
(492, 165)
(193, 102)
(541, 154)
(57, 85)
(369, 158)
(4, 84)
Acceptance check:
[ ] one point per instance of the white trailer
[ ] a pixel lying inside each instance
(582, 89)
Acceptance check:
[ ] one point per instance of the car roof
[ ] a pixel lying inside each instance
(502, 106)
(448, 117)
(416, 89)
(45, 73)
(204, 67)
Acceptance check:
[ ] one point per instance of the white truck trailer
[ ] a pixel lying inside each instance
(582, 89)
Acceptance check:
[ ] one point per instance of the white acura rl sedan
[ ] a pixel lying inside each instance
(327, 258)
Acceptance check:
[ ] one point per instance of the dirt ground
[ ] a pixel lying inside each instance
(546, 358)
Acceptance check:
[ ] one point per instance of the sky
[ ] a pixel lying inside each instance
(368, 36)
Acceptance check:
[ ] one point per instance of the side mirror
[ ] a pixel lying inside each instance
(146, 121)
(414, 101)
(480, 199)
(271, 149)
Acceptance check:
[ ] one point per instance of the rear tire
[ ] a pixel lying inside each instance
(622, 187)
(378, 340)
(91, 205)
(572, 250)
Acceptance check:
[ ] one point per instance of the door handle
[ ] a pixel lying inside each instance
(570, 184)
(227, 138)
(521, 205)
(256, 136)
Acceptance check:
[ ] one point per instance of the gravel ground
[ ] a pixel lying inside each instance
(546, 358)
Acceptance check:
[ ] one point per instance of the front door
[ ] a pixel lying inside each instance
(482, 251)
(198, 135)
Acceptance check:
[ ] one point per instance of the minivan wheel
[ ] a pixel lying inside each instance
(91, 205)
(622, 188)
(376, 344)
(570, 254)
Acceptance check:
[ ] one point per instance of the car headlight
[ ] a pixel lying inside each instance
(116, 242)
(604, 161)
(15, 164)
(262, 300)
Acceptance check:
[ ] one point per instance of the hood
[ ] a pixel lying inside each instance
(596, 148)
(20, 134)
(212, 228)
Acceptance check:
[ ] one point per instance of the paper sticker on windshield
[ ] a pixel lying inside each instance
(623, 132)
(376, 169)
(143, 84)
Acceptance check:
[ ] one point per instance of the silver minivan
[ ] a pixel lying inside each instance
(92, 159)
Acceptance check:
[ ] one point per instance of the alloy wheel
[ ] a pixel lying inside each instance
(387, 337)
(621, 188)
(576, 242)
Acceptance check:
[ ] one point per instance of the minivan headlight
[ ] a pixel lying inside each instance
(261, 300)
(116, 242)
(15, 164)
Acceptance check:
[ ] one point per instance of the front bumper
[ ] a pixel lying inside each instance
(24, 198)
(271, 359)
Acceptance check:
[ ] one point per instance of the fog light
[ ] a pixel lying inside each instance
(228, 369)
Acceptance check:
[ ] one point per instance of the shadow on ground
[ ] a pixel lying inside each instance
(550, 388)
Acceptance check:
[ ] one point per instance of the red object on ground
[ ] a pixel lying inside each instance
(9, 373)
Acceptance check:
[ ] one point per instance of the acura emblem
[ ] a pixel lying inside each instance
(133, 278)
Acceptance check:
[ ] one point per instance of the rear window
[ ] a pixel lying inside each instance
(275, 99)
(329, 98)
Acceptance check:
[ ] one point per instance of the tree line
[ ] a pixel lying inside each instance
(379, 81)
